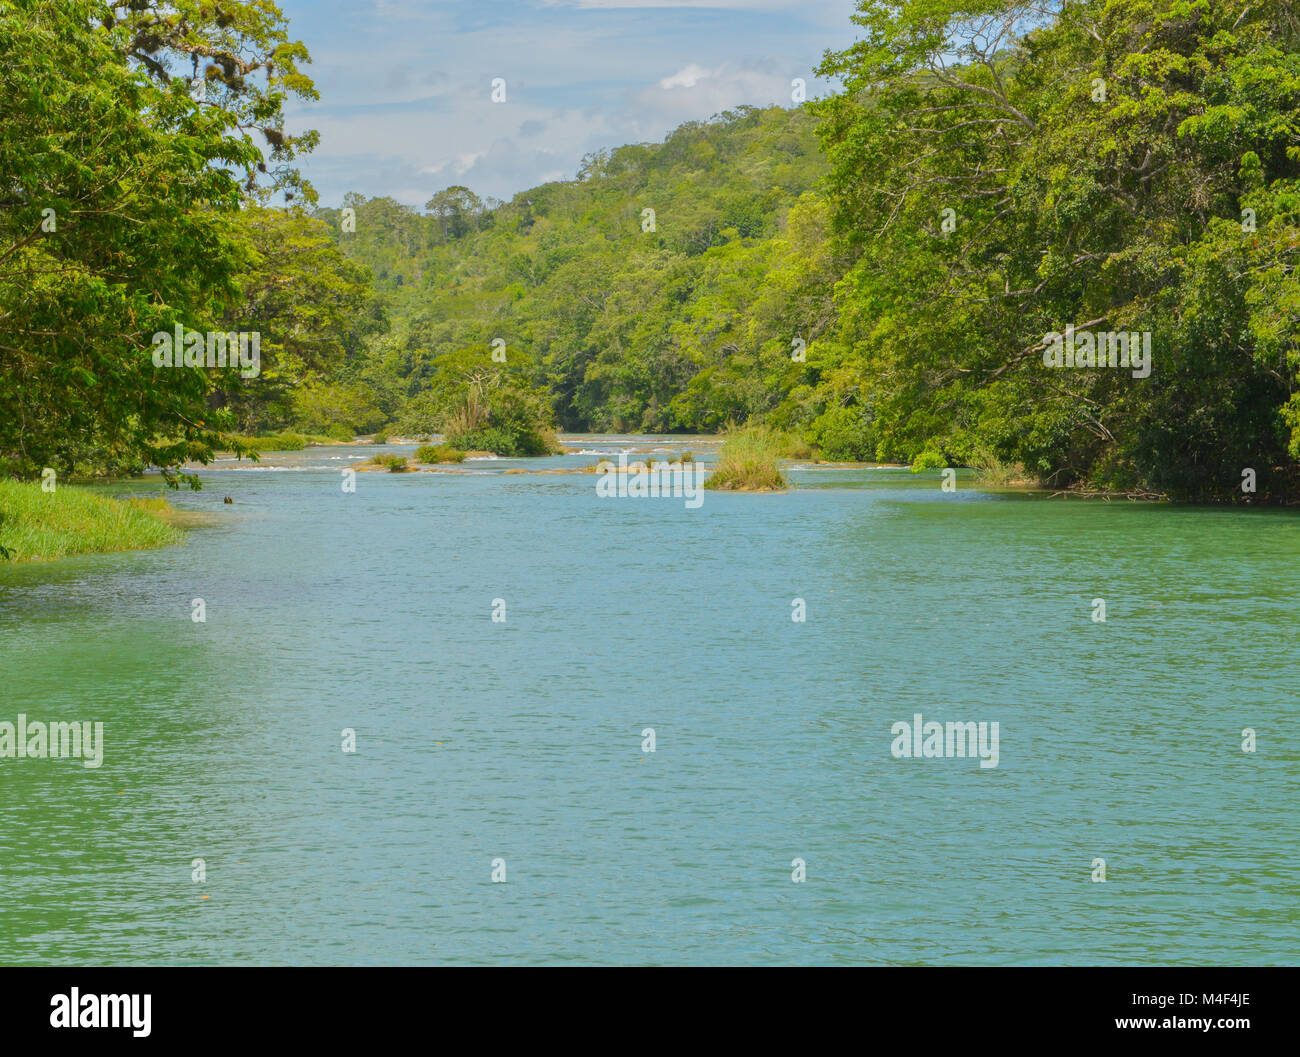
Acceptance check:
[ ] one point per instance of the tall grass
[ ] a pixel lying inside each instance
(990, 470)
(468, 418)
(748, 461)
(38, 526)
(790, 445)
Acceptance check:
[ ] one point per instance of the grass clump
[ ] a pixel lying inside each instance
(992, 471)
(393, 463)
(38, 526)
(432, 453)
(748, 461)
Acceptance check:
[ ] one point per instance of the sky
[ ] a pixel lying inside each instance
(406, 86)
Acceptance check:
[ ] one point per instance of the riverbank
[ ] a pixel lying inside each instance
(41, 526)
(292, 442)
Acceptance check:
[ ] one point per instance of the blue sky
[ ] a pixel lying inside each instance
(406, 85)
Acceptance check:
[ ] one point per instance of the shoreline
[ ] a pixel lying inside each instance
(77, 519)
(74, 520)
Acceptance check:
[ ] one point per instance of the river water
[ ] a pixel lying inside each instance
(522, 740)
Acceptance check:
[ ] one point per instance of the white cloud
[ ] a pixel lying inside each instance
(694, 92)
(686, 77)
(406, 84)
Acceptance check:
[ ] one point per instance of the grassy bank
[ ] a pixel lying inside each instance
(749, 461)
(39, 526)
(294, 441)
(278, 442)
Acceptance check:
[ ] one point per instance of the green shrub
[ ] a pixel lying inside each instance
(509, 418)
(512, 443)
(394, 463)
(843, 434)
(791, 445)
(432, 453)
(990, 469)
(338, 431)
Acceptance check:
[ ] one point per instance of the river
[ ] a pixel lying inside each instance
(521, 740)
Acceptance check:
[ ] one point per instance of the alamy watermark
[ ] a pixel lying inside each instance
(75, 1010)
(679, 480)
(218, 348)
(57, 740)
(930, 739)
(1106, 348)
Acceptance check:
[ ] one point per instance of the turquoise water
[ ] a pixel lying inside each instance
(522, 740)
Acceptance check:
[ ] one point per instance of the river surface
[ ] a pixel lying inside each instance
(522, 740)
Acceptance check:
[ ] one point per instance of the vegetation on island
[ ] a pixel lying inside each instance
(749, 461)
(436, 453)
(391, 463)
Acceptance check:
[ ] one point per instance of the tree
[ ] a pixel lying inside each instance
(116, 225)
(235, 59)
(1004, 171)
(314, 309)
(457, 210)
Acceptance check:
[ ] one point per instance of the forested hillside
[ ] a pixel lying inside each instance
(679, 319)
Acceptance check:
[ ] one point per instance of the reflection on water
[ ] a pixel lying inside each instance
(523, 740)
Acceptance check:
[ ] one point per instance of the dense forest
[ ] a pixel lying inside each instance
(1054, 241)
(660, 290)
